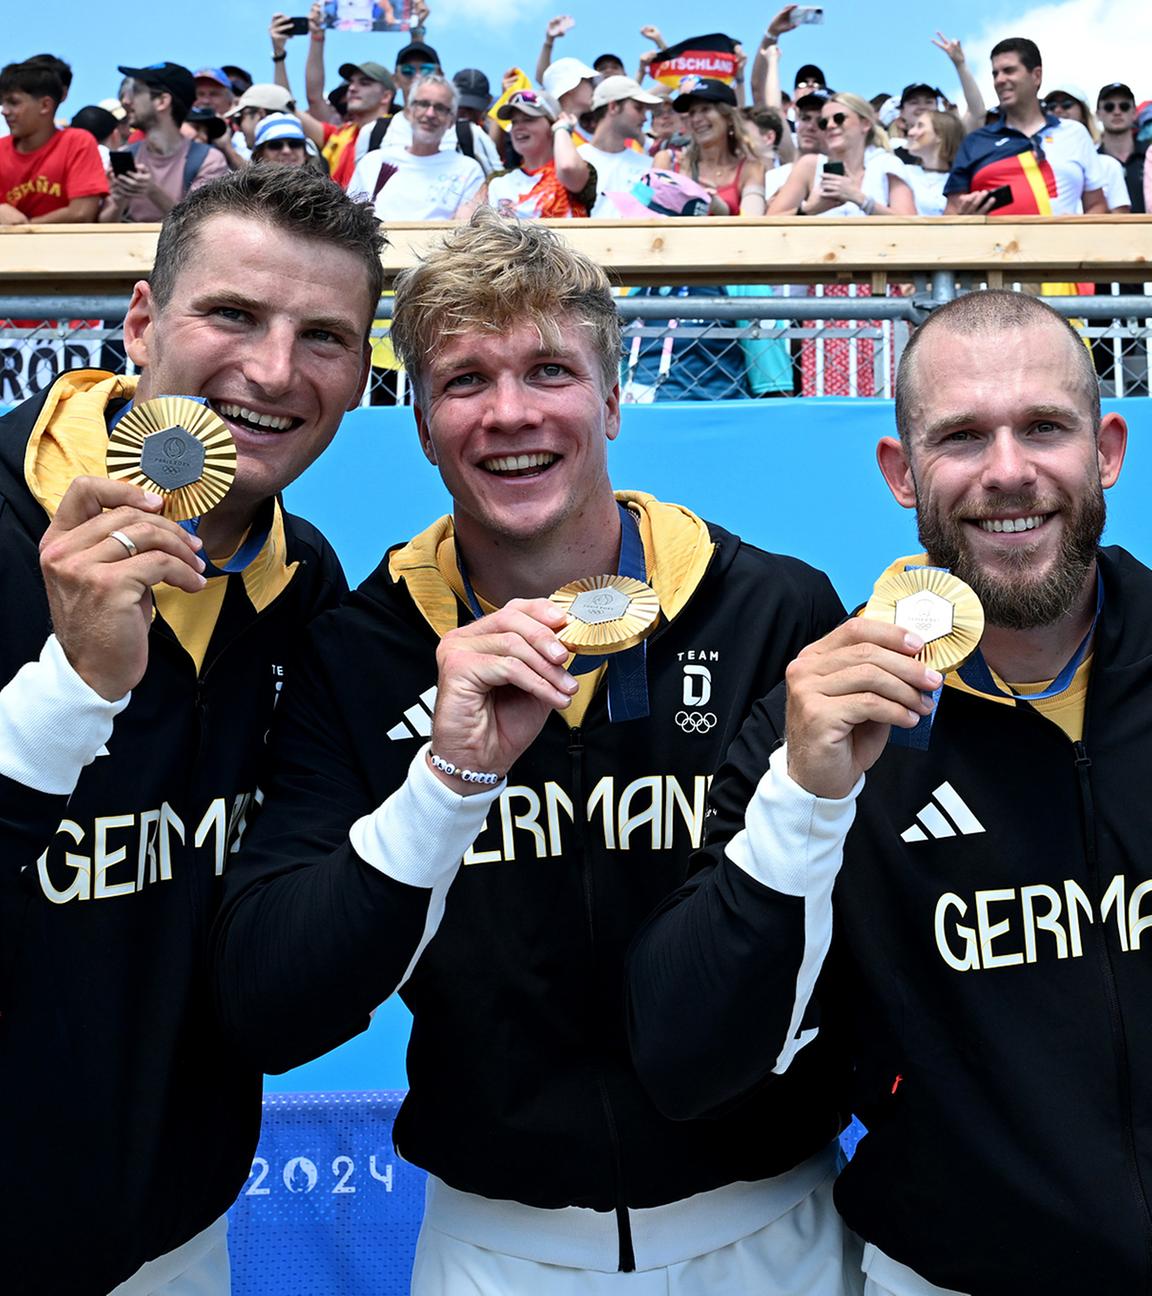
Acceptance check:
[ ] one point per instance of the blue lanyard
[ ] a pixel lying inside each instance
(627, 670)
(257, 535)
(976, 675)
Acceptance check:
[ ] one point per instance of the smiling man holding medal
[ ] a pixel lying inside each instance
(154, 593)
(462, 810)
(964, 908)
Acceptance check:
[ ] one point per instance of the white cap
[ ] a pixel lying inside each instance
(114, 106)
(613, 89)
(566, 74)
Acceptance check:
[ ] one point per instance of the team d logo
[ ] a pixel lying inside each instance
(697, 686)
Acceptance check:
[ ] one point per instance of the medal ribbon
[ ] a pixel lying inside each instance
(257, 535)
(627, 670)
(976, 675)
(918, 738)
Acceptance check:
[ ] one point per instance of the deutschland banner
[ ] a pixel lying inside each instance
(705, 56)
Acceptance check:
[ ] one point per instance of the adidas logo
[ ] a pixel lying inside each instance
(417, 721)
(944, 816)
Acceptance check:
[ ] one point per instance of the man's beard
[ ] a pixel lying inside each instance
(1014, 595)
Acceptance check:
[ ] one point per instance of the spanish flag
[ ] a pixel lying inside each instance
(704, 56)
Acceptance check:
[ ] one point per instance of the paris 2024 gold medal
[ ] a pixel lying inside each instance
(935, 605)
(606, 614)
(178, 448)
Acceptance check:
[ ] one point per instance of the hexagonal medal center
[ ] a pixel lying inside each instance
(595, 607)
(926, 614)
(172, 457)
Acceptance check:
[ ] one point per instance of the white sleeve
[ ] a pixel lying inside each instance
(419, 836)
(52, 724)
(793, 843)
(364, 176)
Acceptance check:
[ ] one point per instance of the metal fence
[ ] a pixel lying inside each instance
(679, 343)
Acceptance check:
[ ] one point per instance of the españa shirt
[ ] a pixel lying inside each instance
(1048, 172)
(68, 166)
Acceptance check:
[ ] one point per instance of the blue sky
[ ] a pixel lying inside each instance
(863, 47)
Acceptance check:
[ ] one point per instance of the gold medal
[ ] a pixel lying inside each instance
(606, 614)
(178, 448)
(935, 605)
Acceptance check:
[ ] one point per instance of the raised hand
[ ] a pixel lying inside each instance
(100, 586)
(844, 693)
(783, 22)
(559, 26)
(499, 678)
(950, 47)
(653, 34)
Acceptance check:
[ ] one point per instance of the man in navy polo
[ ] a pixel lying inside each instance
(1049, 162)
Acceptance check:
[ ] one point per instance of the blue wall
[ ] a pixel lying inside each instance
(795, 476)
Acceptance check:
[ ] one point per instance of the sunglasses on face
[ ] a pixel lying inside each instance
(1111, 105)
(837, 119)
(1065, 105)
(426, 105)
(277, 146)
(410, 69)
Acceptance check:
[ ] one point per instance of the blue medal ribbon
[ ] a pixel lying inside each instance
(258, 533)
(627, 670)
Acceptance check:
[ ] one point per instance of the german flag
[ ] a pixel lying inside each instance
(704, 56)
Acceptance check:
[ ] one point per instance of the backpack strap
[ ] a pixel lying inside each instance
(464, 140)
(197, 154)
(379, 129)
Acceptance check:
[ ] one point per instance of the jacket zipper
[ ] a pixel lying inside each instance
(1123, 1076)
(627, 1261)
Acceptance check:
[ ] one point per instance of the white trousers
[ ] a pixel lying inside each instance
(198, 1268)
(805, 1252)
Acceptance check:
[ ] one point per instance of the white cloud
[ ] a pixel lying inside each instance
(1083, 42)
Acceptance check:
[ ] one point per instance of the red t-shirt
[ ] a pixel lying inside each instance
(68, 166)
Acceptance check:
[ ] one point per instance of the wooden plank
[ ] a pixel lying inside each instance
(103, 258)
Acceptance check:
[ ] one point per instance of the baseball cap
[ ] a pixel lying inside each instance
(278, 126)
(373, 71)
(813, 101)
(564, 75)
(214, 74)
(888, 111)
(533, 103)
(1115, 88)
(1070, 90)
(172, 77)
(240, 77)
(615, 89)
(204, 116)
(920, 88)
(706, 88)
(606, 58)
(114, 106)
(97, 121)
(473, 87)
(810, 72)
(263, 95)
(417, 52)
(662, 193)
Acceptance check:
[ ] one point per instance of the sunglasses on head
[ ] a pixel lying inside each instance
(410, 69)
(837, 119)
(1113, 105)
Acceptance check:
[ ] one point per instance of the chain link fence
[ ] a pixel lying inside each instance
(678, 343)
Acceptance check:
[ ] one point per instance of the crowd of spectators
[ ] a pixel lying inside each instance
(578, 138)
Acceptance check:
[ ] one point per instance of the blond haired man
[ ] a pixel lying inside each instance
(497, 873)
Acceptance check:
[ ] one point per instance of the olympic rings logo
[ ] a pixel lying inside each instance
(696, 721)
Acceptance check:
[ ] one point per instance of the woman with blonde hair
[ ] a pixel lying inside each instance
(933, 140)
(856, 175)
(720, 156)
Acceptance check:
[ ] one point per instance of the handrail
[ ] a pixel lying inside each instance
(59, 260)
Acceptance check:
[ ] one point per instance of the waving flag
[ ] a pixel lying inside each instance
(705, 56)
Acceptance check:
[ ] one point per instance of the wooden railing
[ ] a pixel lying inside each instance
(53, 260)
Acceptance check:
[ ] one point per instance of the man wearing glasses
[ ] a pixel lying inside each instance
(420, 180)
(1046, 161)
(1116, 109)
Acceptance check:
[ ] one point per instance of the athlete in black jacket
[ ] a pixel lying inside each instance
(981, 947)
(132, 722)
(545, 1153)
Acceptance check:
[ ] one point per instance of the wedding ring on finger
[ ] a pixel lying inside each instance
(127, 541)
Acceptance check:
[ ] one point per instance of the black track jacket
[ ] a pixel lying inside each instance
(991, 961)
(521, 1084)
(127, 1125)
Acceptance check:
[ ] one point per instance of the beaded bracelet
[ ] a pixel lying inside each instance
(468, 776)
